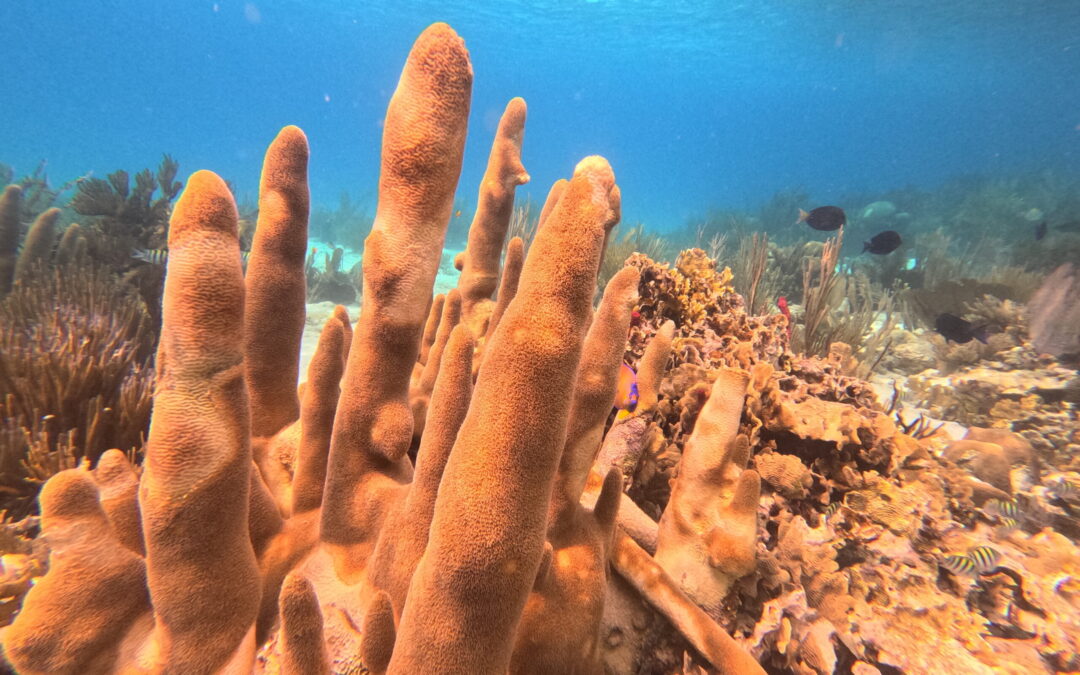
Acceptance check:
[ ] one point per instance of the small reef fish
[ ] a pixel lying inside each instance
(831, 510)
(154, 257)
(1003, 508)
(626, 395)
(1040, 231)
(959, 564)
(1063, 488)
(879, 211)
(958, 330)
(1008, 523)
(977, 561)
(883, 243)
(824, 218)
(160, 256)
(985, 558)
(781, 303)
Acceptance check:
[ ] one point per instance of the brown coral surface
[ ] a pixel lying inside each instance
(280, 531)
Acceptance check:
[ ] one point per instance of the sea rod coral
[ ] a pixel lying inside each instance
(273, 530)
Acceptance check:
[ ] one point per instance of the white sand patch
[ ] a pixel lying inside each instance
(882, 384)
(319, 312)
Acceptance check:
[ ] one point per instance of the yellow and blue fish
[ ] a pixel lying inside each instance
(626, 395)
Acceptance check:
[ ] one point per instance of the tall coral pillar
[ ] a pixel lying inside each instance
(487, 535)
(423, 141)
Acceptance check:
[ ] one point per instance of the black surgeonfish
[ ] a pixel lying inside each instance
(883, 243)
(825, 218)
(958, 330)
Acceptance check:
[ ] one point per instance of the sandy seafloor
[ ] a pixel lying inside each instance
(319, 312)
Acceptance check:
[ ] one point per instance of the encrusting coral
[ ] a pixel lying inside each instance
(857, 515)
(692, 528)
(276, 522)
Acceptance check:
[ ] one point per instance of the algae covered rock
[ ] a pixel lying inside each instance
(1054, 314)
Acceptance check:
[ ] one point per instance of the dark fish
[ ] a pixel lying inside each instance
(1040, 231)
(825, 218)
(958, 330)
(984, 557)
(883, 243)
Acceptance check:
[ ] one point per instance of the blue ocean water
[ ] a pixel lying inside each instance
(697, 105)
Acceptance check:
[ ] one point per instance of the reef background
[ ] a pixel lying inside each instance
(699, 106)
(884, 453)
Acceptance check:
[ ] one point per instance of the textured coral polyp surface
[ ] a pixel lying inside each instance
(281, 530)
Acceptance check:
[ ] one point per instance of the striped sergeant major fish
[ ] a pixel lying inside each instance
(960, 565)
(1002, 508)
(985, 558)
(978, 560)
(1005, 511)
(159, 256)
(1007, 523)
(1065, 488)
